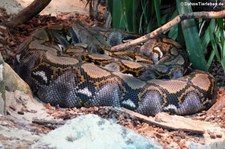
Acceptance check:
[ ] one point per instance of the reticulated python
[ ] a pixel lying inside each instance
(73, 67)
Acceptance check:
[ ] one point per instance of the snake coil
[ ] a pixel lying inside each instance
(73, 67)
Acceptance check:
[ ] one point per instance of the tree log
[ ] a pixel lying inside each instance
(167, 121)
(28, 13)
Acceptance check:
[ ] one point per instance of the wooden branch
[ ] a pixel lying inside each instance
(176, 20)
(52, 124)
(166, 121)
(28, 13)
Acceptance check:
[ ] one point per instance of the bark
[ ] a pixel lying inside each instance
(52, 124)
(28, 13)
(168, 25)
(170, 122)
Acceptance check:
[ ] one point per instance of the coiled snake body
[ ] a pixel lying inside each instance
(73, 67)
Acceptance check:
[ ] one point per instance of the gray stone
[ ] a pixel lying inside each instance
(11, 6)
(91, 131)
(2, 86)
(9, 80)
(2, 104)
(15, 138)
(1, 146)
(14, 82)
(214, 145)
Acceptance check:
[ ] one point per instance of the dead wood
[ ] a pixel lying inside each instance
(28, 13)
(166, 121)
(168, 25)
(52, 124)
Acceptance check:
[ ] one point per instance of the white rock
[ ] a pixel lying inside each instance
(92, 132)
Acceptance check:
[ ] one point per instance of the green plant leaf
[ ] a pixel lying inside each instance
(206, 37)
(130, 8)
(157, 4)
(173, 32)
(118, 19)
(192, 40)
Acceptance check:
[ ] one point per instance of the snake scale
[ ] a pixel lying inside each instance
(74, 67)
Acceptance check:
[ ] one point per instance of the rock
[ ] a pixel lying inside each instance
(16, 130)
(215, 145)
(11, 6)
(1, 146)
(18, 102)
(18, 139)
(2, 86)
(10, 81)
(91, 131)
(14, 82)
